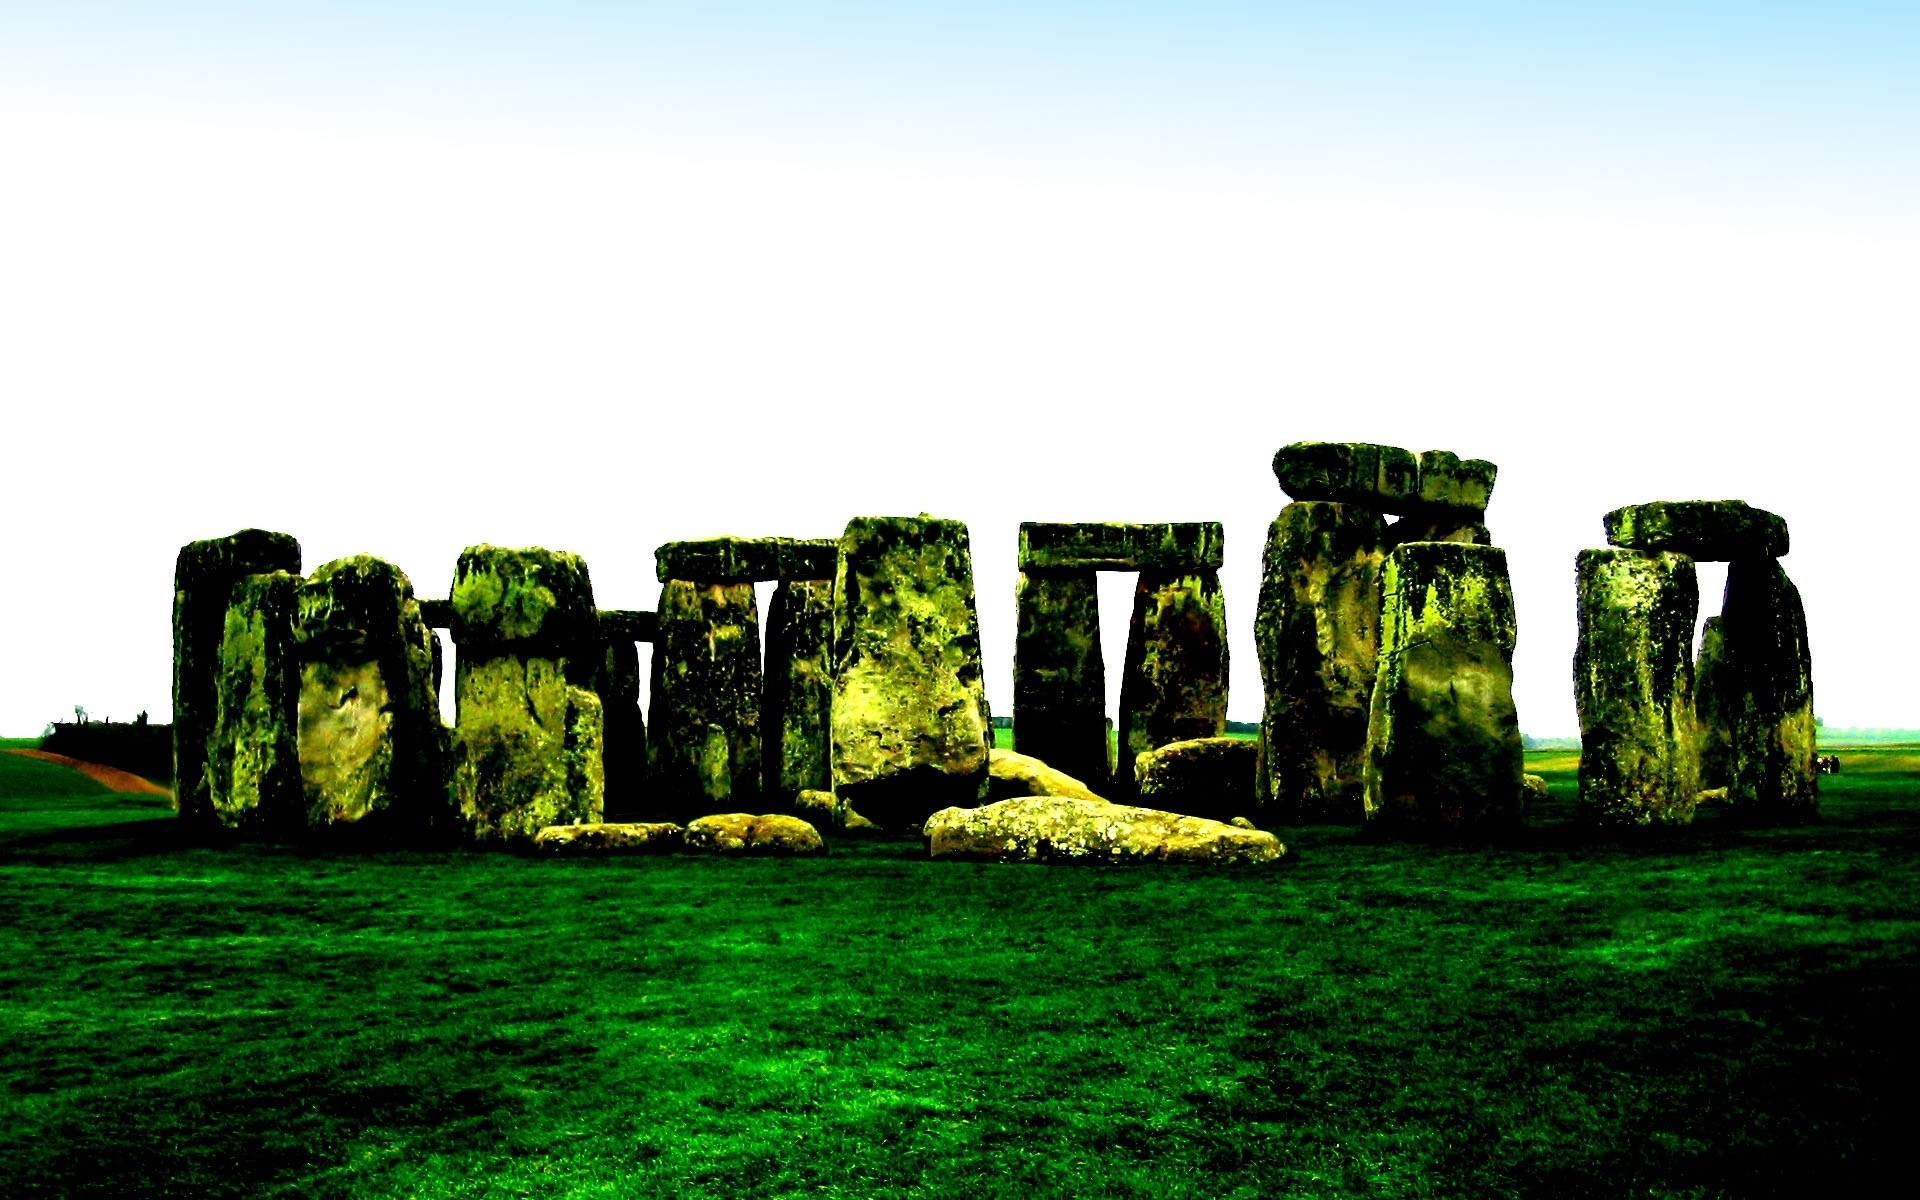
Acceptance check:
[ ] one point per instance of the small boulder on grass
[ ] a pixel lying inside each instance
(742, 833)
(1063, 829)
(1011, 773)
(638, 837)
(1533, 788)
(1206, 777)
(825, 810)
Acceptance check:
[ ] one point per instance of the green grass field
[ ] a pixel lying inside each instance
(1712, 1012)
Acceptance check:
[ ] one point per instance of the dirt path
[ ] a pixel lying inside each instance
(113, 777)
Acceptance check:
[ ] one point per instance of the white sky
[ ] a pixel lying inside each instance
(401, 303)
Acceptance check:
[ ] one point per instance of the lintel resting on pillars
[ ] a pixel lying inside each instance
(1121, 546)
(746, 560)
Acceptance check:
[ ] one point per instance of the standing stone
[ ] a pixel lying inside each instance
(1443, 736)
(706, 677)
(204, 576)
(1714, 706)
(1173, 685)
(1318, 634)
(252, 752)
(1059, 678)
(371, 748)
(910, 724)
(1770, 678)
(1633, 685)
(624, 750)
(527, 738)
(796, 741)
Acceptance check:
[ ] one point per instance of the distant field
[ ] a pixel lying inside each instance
(1709, 1012)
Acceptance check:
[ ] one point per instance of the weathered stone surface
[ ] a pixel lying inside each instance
(534, 600)
(372, 749)
(204, 576)
(1443, 736)
(1770, 677)
(1318, 634)
(1202, 777)
(796, 714)
(528, 734)
(438, 614)
(1713, 530)
(1380, 478)
(251, 771)
(1065, 829)
(824, 810)
(1173, 685)
(746, 560)
(628, 624)
(1714, 706)
(624, 742)
(1059, 678)
(705, 737)
(1121, 546)
(910, 732)
(1438, 525)
(613, 837)
(1463, 486)
(1011, 774)
(740, 833)
(1633, 686)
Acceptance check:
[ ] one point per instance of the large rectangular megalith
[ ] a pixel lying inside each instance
(617, 683)
(796, 752)
(252, 769)
(1059, 678)
(1173, 684)
(1768, 690)
(704, 743)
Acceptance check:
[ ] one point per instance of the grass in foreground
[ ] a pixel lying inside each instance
(1713, 1012)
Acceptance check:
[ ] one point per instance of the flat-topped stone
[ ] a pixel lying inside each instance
(629, 625)
(1122, 546)
(504, 596)
(746, 560)
(1714, 530)
(1383, 478)
(1451, 482)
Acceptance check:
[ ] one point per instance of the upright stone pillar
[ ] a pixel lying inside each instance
(252, 750)
(204, 576)
(706, 678)
(1773, 774)
(1173, 685)
(1714, 706)
(1444, 738)
(910, 725)
(527, 737)
(1059, 679)
(617, 683)
(796, 740)
(1633, 685)
(1318, 633)
(372, 751)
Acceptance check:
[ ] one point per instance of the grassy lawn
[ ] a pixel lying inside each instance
(1713, 1012)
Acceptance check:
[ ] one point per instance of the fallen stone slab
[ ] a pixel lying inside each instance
(1202, 777)
(742, 833)
(1709, 530)
(1065, 829)
(1122, 546)
(612, 837)
(1013, 774)
(746, 560)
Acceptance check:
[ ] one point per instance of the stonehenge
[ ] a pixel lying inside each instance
(308, 706)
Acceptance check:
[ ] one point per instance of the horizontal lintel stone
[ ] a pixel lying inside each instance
(1713, 530)
(741, 560)
(1120, 546)
(628, 624)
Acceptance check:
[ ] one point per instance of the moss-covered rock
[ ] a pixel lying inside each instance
(525, 601)
(624, 747)
(1011, 773)
(910, 732)
(372, 749)
(796, 739)
(1065, 829)
(204, 576)
(251, 755)
(1633, 686)
(826, 811)
(1769, 672)
(1713, 530)
(1439, 525)
(1201, 777)
(1121, 546)
(1318, 635)
(1059, 677)
(742, 833)
(613, 837)
(1380, 478)
(706, 685)
(526, 748)
(1173, 685)
(1454, 484)
(1443, 735)
(746, 560)
(1714, 706)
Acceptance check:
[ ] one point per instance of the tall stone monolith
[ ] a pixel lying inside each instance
(1769, 671)
(1173, 684)
(796, 739)
(910, 725)
(624, 746)
(706, 676)
(1443, 735)
(1633, 686)
(1318, 634)
(1059, 678)
(1713, 706)
(527, 737)
(204, 576)
(372, 750)
(252, 751)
